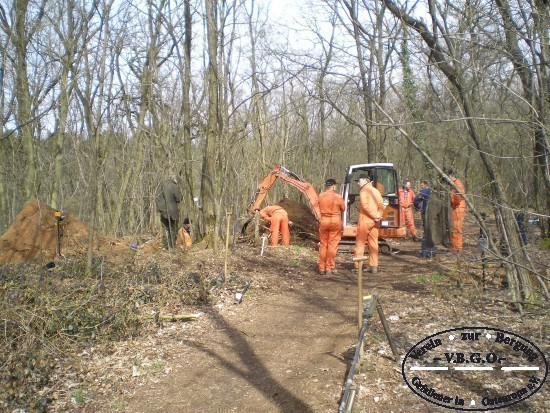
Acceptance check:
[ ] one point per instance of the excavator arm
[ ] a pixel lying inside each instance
(280, 172)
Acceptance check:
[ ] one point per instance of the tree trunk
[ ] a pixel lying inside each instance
(186, 86)
(24, 105)
(209, 178)
(366, 87)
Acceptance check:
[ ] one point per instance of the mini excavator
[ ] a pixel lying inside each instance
(384, 178)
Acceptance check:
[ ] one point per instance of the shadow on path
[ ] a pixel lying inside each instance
(251, 368)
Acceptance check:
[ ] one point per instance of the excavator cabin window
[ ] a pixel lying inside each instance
(385, 182)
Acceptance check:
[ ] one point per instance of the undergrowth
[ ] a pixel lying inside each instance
(49, 314)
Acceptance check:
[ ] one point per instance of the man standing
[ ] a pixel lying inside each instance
(167, 200)
(428, 250)
(421, 201)
(331, 205)
(370, 213)
(406, 199)
(278, 218)
(458, 211)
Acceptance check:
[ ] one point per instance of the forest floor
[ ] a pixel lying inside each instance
(288, 345)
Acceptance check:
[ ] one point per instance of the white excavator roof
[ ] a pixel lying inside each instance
(352, 168)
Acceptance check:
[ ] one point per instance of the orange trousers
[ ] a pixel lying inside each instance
(279, 222)
(367, 234)
(409, 219)
(457, 220)
(330, 233)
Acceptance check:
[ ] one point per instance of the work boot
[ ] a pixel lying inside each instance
(416, 239)
(322, 272)
(373, 270)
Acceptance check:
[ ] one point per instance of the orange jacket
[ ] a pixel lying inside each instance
(268, 211)
(406, 197)
(331, 204)
(457, 200)
(370, 203)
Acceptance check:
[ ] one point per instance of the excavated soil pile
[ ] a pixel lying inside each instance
(304, 225)
(33, 235)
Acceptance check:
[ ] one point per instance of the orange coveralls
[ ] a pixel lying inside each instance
(406, 199)
(331, 205)
(458, 211)
(370, 208)
(278, 218)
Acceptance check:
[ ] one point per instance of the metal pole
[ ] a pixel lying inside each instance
(264, 238)
(349, 389)
(386, 328)
(58, 239)
(58, 218)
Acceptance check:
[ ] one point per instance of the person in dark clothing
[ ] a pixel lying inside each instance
(421, 200)
(421, 204)
(520, 219)
(167, 200)
(436, 222)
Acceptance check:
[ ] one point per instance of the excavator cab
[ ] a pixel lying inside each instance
(384, 178)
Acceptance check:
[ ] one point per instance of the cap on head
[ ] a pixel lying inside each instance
(330, 182)
(363, 176)
(451, 172)
(186, 221)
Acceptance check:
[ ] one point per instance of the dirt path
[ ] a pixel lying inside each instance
(286, 348)
(280, 352)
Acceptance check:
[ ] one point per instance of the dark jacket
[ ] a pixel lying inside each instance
(167, 200)
(421, 200)
(436, 219)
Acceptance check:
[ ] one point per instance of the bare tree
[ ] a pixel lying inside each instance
(531, 63)
(20, 31)
(209, 182)
(519, 272)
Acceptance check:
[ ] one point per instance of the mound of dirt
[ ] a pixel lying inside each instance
(33, 235)
(304, 225)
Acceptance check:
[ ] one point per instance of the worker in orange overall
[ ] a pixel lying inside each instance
(458, 211)
(370, 213)
(331, 205)
(406, 200)
(278, 218)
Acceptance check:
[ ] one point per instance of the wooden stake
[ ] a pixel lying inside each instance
(228, 217)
